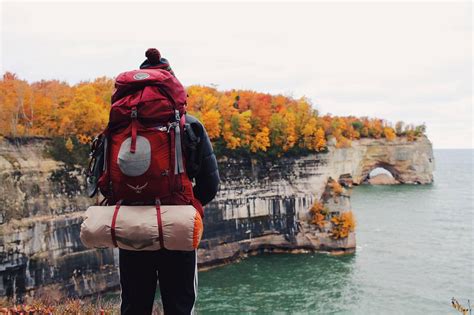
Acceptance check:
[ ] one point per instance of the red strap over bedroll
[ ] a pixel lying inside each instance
(112, 226)
(160, 226)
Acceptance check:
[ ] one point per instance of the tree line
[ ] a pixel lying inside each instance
(240, 120)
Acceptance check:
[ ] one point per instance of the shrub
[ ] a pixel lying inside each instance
(319, 213)
(343, 224)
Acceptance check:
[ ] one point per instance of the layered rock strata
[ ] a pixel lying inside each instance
(262, 206)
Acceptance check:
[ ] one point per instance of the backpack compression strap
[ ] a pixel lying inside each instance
(178, 150)
(133, 144)
(159, 222)
(114, 221)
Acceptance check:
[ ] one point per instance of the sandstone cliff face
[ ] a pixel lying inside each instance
(409, 162)
(33, 184)
(261, 206)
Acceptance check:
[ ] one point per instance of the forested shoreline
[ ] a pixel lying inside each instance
(241, 121)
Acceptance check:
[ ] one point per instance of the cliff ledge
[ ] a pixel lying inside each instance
(262, 206)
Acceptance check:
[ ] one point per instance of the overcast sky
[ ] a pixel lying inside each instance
(398, 61)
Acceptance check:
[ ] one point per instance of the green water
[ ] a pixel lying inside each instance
(414, 253)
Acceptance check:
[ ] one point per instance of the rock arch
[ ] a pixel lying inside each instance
(408, 162)
(383, 165)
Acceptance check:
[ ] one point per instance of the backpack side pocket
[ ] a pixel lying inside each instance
(96, 164)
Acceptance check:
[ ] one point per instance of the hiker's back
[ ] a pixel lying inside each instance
(145, 159)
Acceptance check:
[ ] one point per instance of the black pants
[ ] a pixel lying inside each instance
(176, 272)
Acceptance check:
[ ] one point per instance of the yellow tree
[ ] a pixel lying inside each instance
(50, 97)
(309, 134)
(290, 130)
(7, 103)
(201, 97)
(389, 133)
(229, 118)
(375, 128)
(245, 127)
(261, 140)
(320, 140)
(16, 111)
(232, 142)
(277, 128)
(84, 116)
(304, 115)
(212, 122)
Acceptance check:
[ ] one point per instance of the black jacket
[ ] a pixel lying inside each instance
(201, 163)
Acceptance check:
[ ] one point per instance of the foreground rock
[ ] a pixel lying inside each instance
(262, 206)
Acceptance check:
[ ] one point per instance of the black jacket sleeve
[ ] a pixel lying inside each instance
(203, 164)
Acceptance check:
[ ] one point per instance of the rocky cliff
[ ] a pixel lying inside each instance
(261, 206)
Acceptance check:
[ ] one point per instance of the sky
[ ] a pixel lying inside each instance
(396, 61)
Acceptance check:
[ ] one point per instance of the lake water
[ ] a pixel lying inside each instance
(414, 253)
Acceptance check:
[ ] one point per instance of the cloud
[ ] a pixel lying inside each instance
(399, 61)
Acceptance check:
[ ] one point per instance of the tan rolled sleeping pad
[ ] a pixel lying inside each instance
(137, 228)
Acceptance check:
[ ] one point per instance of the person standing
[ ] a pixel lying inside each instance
(175, 271)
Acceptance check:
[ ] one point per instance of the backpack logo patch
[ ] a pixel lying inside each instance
(134, 164)
(141, 76)
(138, 189)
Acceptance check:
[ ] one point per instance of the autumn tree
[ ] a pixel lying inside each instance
(389, 133)
(245, 119)
(320, 140)
(261, 141)
(17, 114)
(85, 115)
(343, 224)
(290, 130)
(212, 122)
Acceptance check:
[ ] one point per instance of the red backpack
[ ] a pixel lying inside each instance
(143, 150)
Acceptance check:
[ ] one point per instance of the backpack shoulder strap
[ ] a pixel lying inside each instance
(191, 145)
(178, 152)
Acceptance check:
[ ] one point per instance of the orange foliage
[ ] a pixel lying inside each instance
(343, 225)
(212, 122)
(261, 141)
(244, 128)
(318, 212)
(290, 130)
(389, 133)
(53, 108)
(336, 188)
(320, 140)
(240, 118)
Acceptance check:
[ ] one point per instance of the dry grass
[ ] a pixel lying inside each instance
(49, 305)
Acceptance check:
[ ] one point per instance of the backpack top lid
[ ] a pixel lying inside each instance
(131, 81)
(153, 92)
(155, 70)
